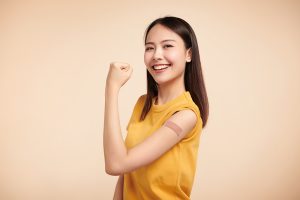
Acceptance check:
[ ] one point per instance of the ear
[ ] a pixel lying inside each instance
(188, 55)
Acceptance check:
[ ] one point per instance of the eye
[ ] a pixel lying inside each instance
(148, 48)
(168, 46)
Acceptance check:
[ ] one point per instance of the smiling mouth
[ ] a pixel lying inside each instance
(161, 67)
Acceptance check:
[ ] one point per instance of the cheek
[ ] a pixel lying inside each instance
(174, 56)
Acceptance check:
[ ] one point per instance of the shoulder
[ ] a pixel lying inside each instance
(186, 106)
(142, 98)
(141, 101)
(187, 114)
(186, 118)
(139, 104)
(190, 104)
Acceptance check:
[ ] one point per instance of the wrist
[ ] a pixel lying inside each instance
(111, 89)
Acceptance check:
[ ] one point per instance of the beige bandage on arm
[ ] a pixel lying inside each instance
(173, 127)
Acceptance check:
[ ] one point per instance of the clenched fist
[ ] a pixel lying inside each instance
(118, 74)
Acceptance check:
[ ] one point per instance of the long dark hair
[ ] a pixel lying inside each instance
(193, 78)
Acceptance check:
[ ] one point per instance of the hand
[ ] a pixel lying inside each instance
(119, 73)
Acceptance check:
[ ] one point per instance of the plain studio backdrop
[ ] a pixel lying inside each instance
(54, 58)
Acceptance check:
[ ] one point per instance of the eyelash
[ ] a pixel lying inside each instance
(150, 48)
(168, 45)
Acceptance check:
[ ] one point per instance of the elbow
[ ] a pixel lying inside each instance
(112, 172)
(114, 169)
(116, 166)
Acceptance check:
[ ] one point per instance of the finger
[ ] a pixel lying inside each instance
(125, 67)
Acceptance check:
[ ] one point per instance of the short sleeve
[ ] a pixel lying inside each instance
(197, 128)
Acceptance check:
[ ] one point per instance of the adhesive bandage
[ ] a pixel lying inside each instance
(173, 127)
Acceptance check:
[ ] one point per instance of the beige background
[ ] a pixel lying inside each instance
(54, 57)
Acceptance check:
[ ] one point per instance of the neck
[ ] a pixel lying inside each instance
(167, 92)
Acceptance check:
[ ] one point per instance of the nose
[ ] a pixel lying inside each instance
(157, 54)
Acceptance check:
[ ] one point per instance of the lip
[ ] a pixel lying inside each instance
(158, 71)
(161, 64)
(158, 64)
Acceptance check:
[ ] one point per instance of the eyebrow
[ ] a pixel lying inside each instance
(169, 40)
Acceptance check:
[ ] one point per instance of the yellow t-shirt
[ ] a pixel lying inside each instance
(171, 176)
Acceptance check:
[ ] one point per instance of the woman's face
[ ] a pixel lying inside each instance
(165, 55)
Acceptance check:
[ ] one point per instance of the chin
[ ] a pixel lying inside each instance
(163, 81)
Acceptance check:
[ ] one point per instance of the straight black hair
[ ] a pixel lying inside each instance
(193, 78)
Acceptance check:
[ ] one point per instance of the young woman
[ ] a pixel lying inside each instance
(158, 158)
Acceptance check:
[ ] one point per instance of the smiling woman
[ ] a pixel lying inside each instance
(158, 158)
(165, 51)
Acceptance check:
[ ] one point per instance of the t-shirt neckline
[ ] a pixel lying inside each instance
(167, 104)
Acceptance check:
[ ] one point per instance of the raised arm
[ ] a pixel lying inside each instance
(118, 159)
(113, 143)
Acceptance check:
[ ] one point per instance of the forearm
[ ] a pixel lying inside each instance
(118, 195)
(114, 147)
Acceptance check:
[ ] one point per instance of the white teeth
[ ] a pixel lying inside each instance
(158, 67)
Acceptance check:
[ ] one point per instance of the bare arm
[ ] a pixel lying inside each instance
(119, 189)
(119, 159)
(113, 143)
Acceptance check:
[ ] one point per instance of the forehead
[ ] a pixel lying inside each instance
(160, 33)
